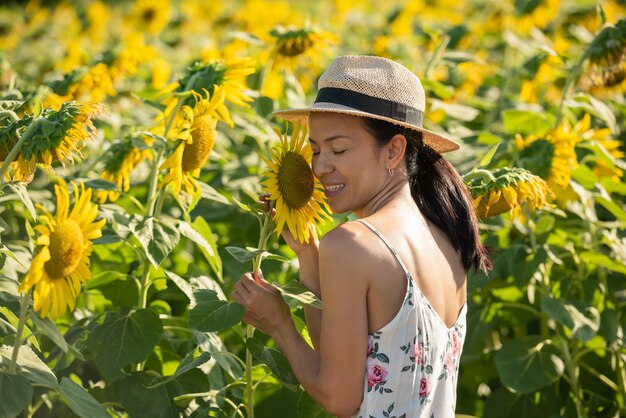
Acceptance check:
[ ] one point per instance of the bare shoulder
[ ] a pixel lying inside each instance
(345, 249)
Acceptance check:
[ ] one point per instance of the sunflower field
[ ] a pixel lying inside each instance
(137, 136)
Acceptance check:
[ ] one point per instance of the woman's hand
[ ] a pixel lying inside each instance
(265, 307)
(312, 247)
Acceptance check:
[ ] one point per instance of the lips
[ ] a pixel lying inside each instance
(332, 189)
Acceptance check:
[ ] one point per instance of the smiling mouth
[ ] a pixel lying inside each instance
(334, 187)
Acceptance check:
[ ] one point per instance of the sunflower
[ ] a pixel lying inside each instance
(299, 201)
(92, 84)
(292, 43)
(150, 16)
(62, 263)
(121, 159)
(506, 190)
(56, 135)
(293, 47)
(195, 134)
(606, 62)
(552, 156)
(227, 75)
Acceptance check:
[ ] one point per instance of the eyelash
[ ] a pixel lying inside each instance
(334, 152)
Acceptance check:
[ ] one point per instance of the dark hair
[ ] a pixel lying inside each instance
(439, 192)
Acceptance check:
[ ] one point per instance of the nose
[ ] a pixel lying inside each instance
(321, 165)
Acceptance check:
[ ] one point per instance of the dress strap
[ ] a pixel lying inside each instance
(387, 243)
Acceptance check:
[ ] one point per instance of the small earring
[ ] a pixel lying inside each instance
(390, 170)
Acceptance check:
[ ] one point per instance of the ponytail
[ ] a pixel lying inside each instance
(439, 192)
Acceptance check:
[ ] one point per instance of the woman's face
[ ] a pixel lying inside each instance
(346, 159)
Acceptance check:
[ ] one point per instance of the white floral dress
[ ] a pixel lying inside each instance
(413, 361)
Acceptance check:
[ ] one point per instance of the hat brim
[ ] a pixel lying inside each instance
(438, 142)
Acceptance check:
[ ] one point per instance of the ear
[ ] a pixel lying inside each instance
(395, 150)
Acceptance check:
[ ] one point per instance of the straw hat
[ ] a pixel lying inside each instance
(372, 87)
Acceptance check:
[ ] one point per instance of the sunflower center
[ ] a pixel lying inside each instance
(66, 249)
(295, 45)
(148, 15)
(295, 180)
(203, 135)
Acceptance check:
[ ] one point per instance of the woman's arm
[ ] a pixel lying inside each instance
(308, 259)
(334, 376)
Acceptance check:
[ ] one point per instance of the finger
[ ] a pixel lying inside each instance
(237, 297)
(247, 282)
(258, 278)
(241, 288)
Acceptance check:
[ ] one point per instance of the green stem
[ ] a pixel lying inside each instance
(569, 83)
(436, 56)
(621, 378)
(479, 173)
(572, 372)
(266, 72)
(264, 235)
(249, 382)
(20, 328)
(17, 147)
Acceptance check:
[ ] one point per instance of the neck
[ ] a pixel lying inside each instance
(397, 190)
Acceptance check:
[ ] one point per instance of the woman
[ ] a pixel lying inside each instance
(392, 283)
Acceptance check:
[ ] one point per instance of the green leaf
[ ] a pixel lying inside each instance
(15, 394)
(208, 192)
(192, 360)
(8, 290)
(182, 284)
(5, 252)
(528, 364)
(31, 366)
(486, 158)
(441, 90)
(455, 110)
(612, 207)
(508, 294)
(141, 399)
(104, 278)
(308, 408)
(297, 294)
(526, 122)
(596, 107)
(50, 330)
(244, 255)
(80, 401)
(602, 260)
(22, 193)
(212, 314)
(202, 227)
(488, 138)
(584, 325)
(124, 339)
(6, 328)
(157, 237)
(100, 184)
(27, 334)
(274, 360)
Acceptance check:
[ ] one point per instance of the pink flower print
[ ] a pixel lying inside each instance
(419, 353)
(456, 343)
(424, 389)
(376, 374)
(449, 360)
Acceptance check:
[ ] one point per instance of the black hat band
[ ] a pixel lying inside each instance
(371, 104)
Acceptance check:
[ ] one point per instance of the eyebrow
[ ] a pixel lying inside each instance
(329, 139)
